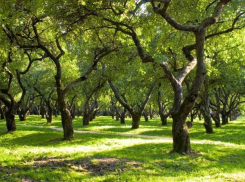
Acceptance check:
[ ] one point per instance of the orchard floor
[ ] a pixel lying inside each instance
(108, 151)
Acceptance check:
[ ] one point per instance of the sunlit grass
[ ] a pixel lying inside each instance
(40, 154)
(231, 133)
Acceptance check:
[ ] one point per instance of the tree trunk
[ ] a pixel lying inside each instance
(204, 108)
(199, 116)
(207, 120)
(145, 116)
(67, 124)
(216, 119)
(180, 132)
(10, 120)
(1, 113)
(42, 111)
(23, 114)
(135, 120)
(192, 117)
(42, 114)
(224, 119)
(49, 115)
(122, 119)
(86, 119)
(163, 119)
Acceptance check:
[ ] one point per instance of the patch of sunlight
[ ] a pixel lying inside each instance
(109, 144)
(220, 177)
(217, 143)
(139, 130)
(234, 176)
(106, 127)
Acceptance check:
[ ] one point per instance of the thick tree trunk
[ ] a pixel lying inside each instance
(117, 117)
(145, 116)
(67, 124)
(86, 119)
(42, 111)
(135, 120)
(122, 119)
(10, 120)
(224, 119)
(49, 115)
(207, 120)
(216, 119)
(42, 114)
(163, 119)
(180, 132)
(23, 114)
(204, 108)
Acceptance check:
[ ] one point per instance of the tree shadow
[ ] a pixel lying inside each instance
(146, 157)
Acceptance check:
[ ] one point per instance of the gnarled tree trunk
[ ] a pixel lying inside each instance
(180, 132)
(10, 119)
(204, 108)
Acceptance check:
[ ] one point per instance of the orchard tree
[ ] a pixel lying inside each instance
(206, 15)
(36, 33)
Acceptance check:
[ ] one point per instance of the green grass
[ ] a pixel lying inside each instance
(39, 154)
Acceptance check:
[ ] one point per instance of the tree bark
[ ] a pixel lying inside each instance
(67, 124)
(205, 109)
(49, 113)
(135, 120)
(1, 111)
(10, 120)
(66, 118)
(207, 120)
(180, 132)
(145, 116)
(86, 119)
(224, 118)
(163, 119)
(23, 114)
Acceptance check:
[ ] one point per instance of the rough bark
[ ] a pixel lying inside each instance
(67, 124)
(224, 117)
(145, 116)
(23, 114)
(135, 120)
(164, 119)
(2, 112)
(49, 113)
(10, 120)
(86, 119)
(216, 113)
(180, 132)
(204, 108)
(162, 108)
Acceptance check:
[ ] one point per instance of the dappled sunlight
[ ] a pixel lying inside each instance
(217, 143)
(113, 152)
(108, 145)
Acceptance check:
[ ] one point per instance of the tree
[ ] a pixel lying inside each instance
(181, 140)
(136, 112)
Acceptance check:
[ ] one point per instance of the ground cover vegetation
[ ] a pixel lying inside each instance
(39, 154)
(73, 61)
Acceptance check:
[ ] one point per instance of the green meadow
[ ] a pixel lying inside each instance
(114, 152)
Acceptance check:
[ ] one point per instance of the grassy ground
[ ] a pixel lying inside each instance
(39, 154)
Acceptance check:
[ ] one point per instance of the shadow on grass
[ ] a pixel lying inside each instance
(153, 159)
(41, 137)
(231, 133)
